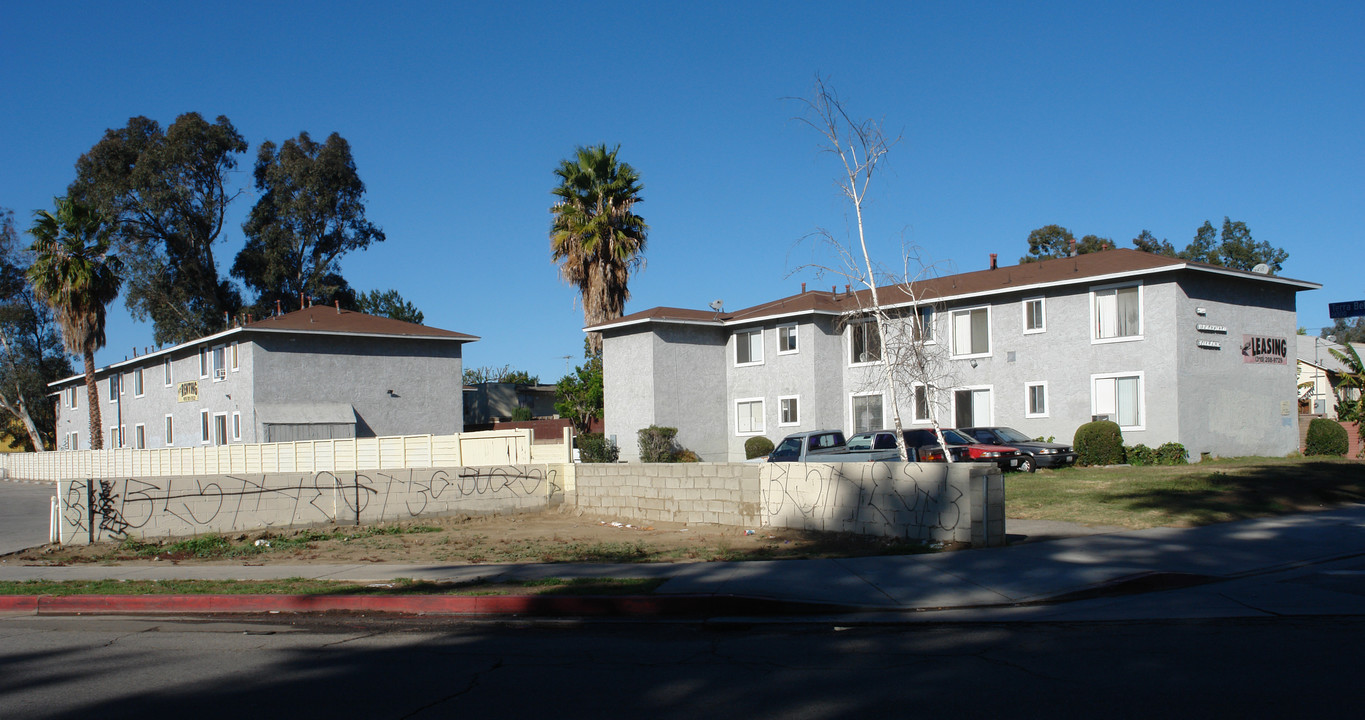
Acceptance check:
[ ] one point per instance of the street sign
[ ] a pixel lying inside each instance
(1346, 309)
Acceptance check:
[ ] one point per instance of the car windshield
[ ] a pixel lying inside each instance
(1012, 435)
(953, 437)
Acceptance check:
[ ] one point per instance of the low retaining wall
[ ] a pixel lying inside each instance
(917, 501)
(961, 502)
(105, 509)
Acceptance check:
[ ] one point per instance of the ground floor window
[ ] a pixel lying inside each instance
(921, 414)
(170, 431)
(790, 410)
(140, 437)
(749, 416)
(971, 407)
(1035, 399)
(1118, 397)
(867, 413)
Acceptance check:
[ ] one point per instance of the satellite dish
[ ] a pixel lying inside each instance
(1261, 269)
(717, 305)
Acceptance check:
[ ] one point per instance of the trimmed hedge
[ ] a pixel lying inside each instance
(1099, 443)
(1326, 437)
(657, 444)
(757, 446)
(1172, 453)
(596, 448)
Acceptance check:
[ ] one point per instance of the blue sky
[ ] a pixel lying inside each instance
(1106, 120)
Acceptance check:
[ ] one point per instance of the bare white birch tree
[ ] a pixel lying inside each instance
(906, 360)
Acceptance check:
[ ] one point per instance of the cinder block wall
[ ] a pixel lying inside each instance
(115, 508)
(958, 502)
(716, 493)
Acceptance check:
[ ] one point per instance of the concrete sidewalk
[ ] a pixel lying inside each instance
(1280, 561)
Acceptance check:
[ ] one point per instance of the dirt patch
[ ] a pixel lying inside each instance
(541, 537)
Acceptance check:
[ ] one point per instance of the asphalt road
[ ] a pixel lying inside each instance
(341, 667)
(25, 509)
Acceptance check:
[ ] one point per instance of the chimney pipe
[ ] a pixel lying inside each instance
(1073, 247)
(803, 288)
(846, 292)
(993, 265)
(833, 289)
(300, 301)
(338, 304)
(277, 306)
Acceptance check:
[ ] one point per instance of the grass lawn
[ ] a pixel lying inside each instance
(1185, 495)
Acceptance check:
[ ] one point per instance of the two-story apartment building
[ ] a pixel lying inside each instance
(320, 372)
(1169, 349)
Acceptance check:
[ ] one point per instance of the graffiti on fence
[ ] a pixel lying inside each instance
(863, 492)
(235, 502)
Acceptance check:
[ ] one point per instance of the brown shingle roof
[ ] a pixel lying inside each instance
(327, 319)
(1090, 267)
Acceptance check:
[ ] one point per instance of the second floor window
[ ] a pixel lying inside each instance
(749, 347)
(972, 332)
(1118, 313)
(865, 342)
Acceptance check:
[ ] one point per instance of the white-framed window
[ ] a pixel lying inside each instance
(786, 339)
(749, 416)
(972, 406)
(166, 370)
(924, 326)
(203, 362)
(1116, 313)
(865, 345)
(1035, 400)
(72, 397)
(204, 426)
(236, 426)
(170, 430)
(789, 410)
(867, 412)
(920, 404)
(140, 437)
(971, 328)
(1035, 316)
(73, 441)
(220, 428)
(115, 438)
(232, 356)
(749, 347)
(137, 383)
(114, 389)
(1119, 397)
(219, 363)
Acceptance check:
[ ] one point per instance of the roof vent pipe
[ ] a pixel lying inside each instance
(993, 265)
(1073, 247)
(277, 306)
(846, 290)
(803, 288)
(338, 304)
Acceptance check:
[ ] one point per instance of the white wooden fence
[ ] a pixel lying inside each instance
(497, 447)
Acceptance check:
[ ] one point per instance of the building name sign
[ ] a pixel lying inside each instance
(1265, 350)
(1202, 327)
(1210, 344)
(187, 391)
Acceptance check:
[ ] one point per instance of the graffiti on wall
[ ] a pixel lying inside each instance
(117, 508)
(839, 493)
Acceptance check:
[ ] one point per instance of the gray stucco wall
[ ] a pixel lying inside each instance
(1228, 406)
(628, 387)
(397, 386)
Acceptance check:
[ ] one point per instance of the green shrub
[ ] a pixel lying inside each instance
(686, 455)
(1172, 453)
(657, 444)
(522, 414)
(1326, 437)
(757, 446)
(1099, 443)
(1140, 454)
(596, 448)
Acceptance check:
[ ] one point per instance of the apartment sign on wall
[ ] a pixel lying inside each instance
(187, 391)
(1265, 350)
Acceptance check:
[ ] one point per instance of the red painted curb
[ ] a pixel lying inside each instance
(530, 605)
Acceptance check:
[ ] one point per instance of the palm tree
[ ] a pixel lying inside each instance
(74, 272)
(594, 236)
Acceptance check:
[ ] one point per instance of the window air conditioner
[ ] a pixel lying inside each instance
(219, 374)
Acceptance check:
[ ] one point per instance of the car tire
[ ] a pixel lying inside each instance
(1026, 464)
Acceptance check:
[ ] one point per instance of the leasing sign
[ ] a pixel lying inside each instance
(188, 391)
(1265, 350)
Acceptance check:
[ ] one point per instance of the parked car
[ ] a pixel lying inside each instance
(1041, 454)
(924, 447)
(824, 446)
